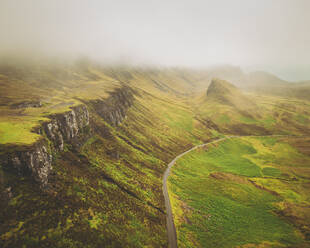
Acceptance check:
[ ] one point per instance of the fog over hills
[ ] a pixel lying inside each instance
(261, 35)
(143, 123)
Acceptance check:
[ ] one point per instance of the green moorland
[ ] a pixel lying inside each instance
(243, 192)
(108, 192)
(233, 111)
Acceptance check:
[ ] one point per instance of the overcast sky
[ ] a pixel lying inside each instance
(272, 35)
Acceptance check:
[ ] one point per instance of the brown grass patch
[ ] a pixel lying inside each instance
(229, 177)
(301, 144)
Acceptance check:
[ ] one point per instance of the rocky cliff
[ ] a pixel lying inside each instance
(113, 109)
(66, 127)
(70, 127)
(36, 159)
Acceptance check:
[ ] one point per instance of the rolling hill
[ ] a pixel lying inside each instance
(83, 147)
(223, 92)
(261, 82)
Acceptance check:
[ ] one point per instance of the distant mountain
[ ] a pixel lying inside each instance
(226, 93)
(261, 82)
(267, 83)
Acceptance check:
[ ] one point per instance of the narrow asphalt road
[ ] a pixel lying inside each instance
(172, 235)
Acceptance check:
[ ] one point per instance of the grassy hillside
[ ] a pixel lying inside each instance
(235, 112)
(106, 191)
(242, 192)
(260, 82)
(224, 92)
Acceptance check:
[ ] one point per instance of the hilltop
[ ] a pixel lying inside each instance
(261, 82)
(85, 146)
(223, 92)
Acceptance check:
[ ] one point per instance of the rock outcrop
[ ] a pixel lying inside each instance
(70, 127)
(66, 127)
(36, 159)
(113, 109)
(5, 191)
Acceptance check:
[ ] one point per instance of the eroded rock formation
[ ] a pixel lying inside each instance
(66, 127)
(36, 159)
(113, 109)
(70, 127)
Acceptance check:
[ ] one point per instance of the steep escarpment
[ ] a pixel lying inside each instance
(67, 127)
(36, 159)
(231, 110)
(71, 128)
(101, 194)
(113, 109)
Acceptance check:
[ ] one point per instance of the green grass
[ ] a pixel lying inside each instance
(98, 199)
(215, 204)
(179, 118)
(303, 119)
(271, 171)
(18, 128)
(269, 121)
(247, 120)
(226, 158)
(271, 115)
(224, 119)
(17, 132)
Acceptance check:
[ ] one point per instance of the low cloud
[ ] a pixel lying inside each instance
(269, 34)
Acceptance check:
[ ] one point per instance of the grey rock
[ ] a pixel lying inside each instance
(36, 160)
(113, 109)
(64, 128)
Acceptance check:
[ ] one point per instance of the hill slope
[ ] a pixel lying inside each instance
(224, 92)
(81, 155)
(260, 82)
(230, 110)
(83, 147)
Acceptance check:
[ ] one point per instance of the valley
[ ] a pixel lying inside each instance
(83, 154)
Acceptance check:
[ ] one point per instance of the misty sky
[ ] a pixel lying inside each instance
(272, 35)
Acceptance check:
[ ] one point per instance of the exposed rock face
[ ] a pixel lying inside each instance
(5, 196)
(37, 159)
(113, 109)
(65, 128)
(5, 191)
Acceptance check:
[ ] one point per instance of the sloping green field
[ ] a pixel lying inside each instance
(108, 191)
(242, 192)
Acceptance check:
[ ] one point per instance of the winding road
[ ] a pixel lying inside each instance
(172, 235)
